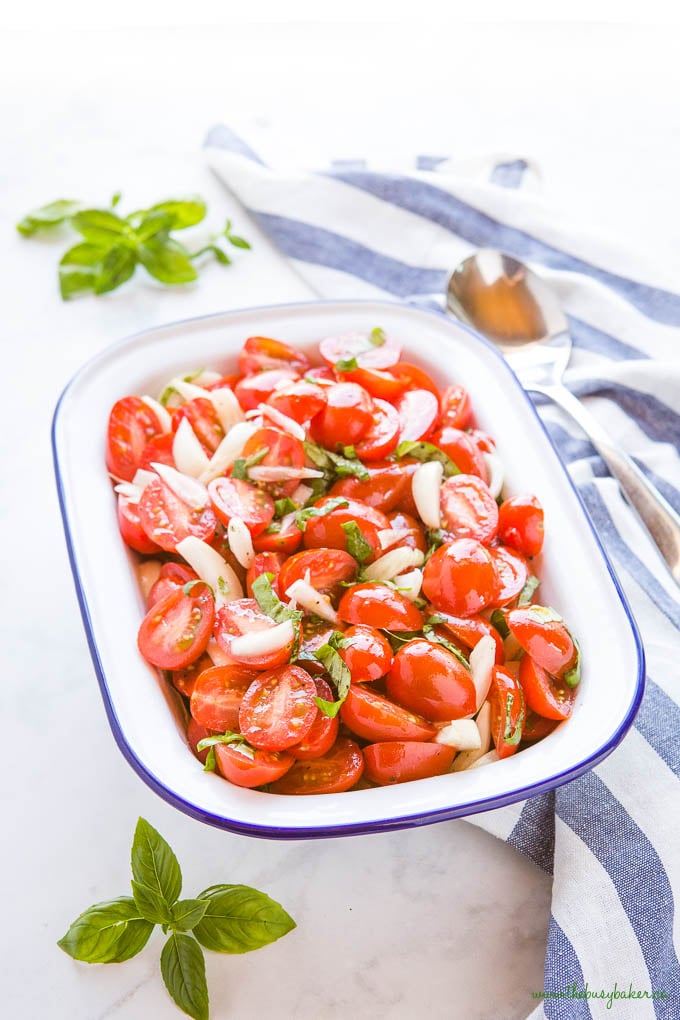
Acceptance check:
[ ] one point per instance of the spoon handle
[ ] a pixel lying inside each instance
(661, 520)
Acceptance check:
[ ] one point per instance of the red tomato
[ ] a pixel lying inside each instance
(257, 389)
(250, 767)
(327, 532)
(176, 631)
(418, 412)
(482, 440)
(536, 727)
(337, 770)
(196, 733)
(131, 529)
(299, 401)
(462, 450)
(347, 416)
(395, 761)
(160, 589)
(282, 451)
(414, 378)
(225, 382)
(316, 633)
(373, 717)
(460, 578)
(507, 712)
(428, 679)
(324, 730)
(543, 635)
(383, 435)
(244, 616)
(545, 696)
(378, 383)
(512, 573)
(180, 573)
(233, 497)
(468, 631)
(286, 539)
(328, 568)
(217, 696)
(260, 354)
(167, 519)
(202, 416)
(520, 524)
(265, 563)
(412, 536)
(357, 345)
(369, 656)
(379, 606)
(468, 508)
(278, 709)
(158, 451)
(184, 680)
(456, 407)
(387, 488)
(132, 423)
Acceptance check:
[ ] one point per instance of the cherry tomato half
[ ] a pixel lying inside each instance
(512, 573)
(243, 616)
(462, 450)
(545, 696)
(383, 435)
(217, 696)
(327, 569)
(158, 451)
(456, 407)
(233, 497)
(176, 631)
(251, 767)
(282, 451)
(418, 412)
(167, 519)
(507, 711)
(257, 389)
(373, 717)
(299, 401)
(379, 606)
(387, 488)
(261, 354)
(460, 578)
(401, 762)
(131, 530)
(202, 416)
(132, 423)
(265, 563)
(358, 345)
(368, 656)
(346, 417)
(468, 508)
(468, 630)
(520, 524)
(324, 730)
(543, 635)
(334, 772)
(429, 679)
(278, 709)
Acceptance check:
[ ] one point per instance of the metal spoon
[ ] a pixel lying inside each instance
(510, 305)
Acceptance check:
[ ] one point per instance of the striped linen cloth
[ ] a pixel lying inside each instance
(610, 838)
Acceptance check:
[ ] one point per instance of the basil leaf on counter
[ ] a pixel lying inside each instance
(187, 913)
(239, 919)
(117, 266)
(167, 260)
(47, 216)
(157, 878)
(234, 239)
(181, 212)
(100, 226)
(110, 932)
(183, 970)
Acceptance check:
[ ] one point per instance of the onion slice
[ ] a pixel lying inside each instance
(496, 474)
(482, 659)
(262, 642)
(227, 407)
(161, 412)
(189, 490)
(229, 449)
(463, 734)
(240, 542)
(187, 452)
(409, 584)
(311, 600)
(148, 573)
(283, 421)
(466, 759)
(395, 562)
(211, 568)
(278, 473)
(426, 486)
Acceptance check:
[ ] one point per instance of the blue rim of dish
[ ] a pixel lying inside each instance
(379, 825)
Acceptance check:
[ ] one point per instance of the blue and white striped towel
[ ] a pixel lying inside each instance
(610, 838)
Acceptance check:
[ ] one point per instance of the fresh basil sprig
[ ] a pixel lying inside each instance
(223, 918)
(112, 246)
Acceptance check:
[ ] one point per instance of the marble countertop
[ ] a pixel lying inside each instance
(444, 920)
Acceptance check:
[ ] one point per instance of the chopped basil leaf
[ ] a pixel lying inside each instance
(210, 761)
(334, 463)
(436, 639)
(349, 452)
(284, 506)
(573, 677)
(241, 465)
(377, 337)
(190, 585)
(527, 591)
(271, 604)
(328, 656)
(420, 450)
(543, 614)
(166, 394)
(302, 516)
(435, 538)
(398, 639)
(346, 365)
(273, 528)
(500, 623)
(513, 734)
(357, 546)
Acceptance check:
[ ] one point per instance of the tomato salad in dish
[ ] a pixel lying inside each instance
(336, 583)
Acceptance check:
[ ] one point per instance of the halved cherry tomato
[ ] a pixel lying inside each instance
(369, 656)
(131, 527)
(328, 568)
(383, 435)
(324, 730)
(286, 537)
(520, 524)
(334, 772)
(257, 389)
(282, 451)
(233, 497)
(507, 711)
(468, 630)
(346, 417)
(543, 635)
(132, 423)
(546, 696)
(299, 401)
(265, 563)
(462, 450)
(409, 530)
(468, 508)
(178, 572)
(456, 407)
(176, 631)
(315, 633)
(202, 416)
(278, 709)
(167, 519)
(379, 606)
(158, 451)
(418, 412)
(261, 353)
(196, 733)
(251, 767)
(358, 345)
(373, 717)
(217, 696)
(536, 727)
(460, 578)
(396, 761)
(162, 587)
(414, 377)
(512, 572)
(184, 680)
(244, 616)
(429, 679)
(378, 383)
(327, 532)
(387, 488)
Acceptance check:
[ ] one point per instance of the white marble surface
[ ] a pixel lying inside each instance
(442, 921)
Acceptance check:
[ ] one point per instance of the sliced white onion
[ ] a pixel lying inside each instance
(187, 390)
(228, 409)
(187, 452)
(211, 568)
(219, 658)
(240, 541)
(302, 494)
(311, 600)
(482, 659)
(463, 734)
(262, 642)
(131, 492)
(142, 478)
(390, 536)
(189, 490)
(409, 584)
(487, 759)
(465, 759)
(278, 473)
(426, 486)
(206, 377)
(148, 573)
(161, 413)
(229, 449)
(395, 562)
(496, 474)
(285, 423)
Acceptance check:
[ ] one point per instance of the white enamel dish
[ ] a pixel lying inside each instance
(576, 577)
